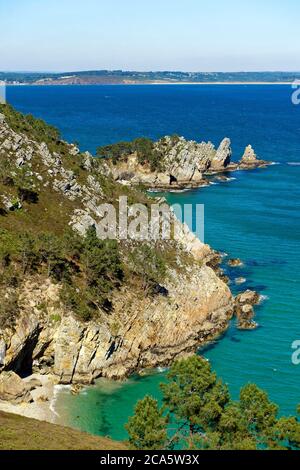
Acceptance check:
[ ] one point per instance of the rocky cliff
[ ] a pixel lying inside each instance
(140, 333)
(47, 185)
(181, 163)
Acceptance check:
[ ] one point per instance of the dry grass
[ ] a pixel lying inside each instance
(19, 433)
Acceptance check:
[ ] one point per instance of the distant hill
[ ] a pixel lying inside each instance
(19, 433)
(101, 77)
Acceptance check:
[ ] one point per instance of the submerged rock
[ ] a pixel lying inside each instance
(235, 263)
(76, 389)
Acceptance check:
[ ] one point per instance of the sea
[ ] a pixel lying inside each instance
(255, 216)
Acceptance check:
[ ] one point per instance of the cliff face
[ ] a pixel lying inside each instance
(48, 185)
(140, 333)
(183, 164)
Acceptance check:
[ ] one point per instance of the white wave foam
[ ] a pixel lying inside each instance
(161, 370)
(240, 280)
(263, 298)
(57, 389)
(52, 408)
(293, 163)
(178, 190)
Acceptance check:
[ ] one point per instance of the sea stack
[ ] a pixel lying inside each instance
(223, 156)
(250, 160)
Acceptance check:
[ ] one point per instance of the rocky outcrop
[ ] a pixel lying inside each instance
(235, 263)
(14, 389)
(183, 164)
(223, 156)
(248, 297)
(244, 309)
(249, 160)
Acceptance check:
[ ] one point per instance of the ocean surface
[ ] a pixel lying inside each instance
(255, 217)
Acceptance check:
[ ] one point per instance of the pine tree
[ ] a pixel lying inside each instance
(195, 396)
(147, 428)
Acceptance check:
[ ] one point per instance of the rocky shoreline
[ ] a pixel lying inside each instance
(193, 306)
(183, 165)
(35, 401)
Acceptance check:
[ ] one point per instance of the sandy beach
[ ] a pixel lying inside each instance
(42, 408)
(217, 83)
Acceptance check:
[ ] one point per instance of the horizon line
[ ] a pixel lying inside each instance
(148, 71)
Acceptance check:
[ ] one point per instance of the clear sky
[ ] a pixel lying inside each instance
(190, 35)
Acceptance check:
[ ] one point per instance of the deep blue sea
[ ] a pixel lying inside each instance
(255, 217)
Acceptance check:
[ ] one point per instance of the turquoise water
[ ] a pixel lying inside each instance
(255, 217)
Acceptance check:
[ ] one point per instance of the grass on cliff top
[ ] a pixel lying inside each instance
(19, 433)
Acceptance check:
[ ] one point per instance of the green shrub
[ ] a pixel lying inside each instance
(148, 264)
(143, 147)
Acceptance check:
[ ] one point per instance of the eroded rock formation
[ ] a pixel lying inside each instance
(183, 164)
(140, 333)
(250, 160)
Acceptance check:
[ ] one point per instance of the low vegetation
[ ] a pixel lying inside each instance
(35, 128)
(148, 152)
(143, 147)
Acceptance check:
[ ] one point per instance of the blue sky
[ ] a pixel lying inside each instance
(191, 35)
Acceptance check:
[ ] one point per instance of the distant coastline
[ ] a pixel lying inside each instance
(120, 77)
(149, 83)
(215, 83)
